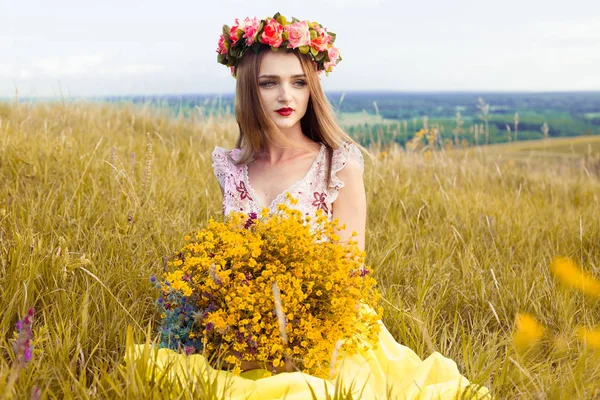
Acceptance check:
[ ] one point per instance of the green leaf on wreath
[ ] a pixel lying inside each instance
(281, 19)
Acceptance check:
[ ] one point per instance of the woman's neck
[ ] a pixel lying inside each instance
(275, 153)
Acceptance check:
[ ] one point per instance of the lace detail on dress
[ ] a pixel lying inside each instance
(228, 175)
(310, 174)
(221, 165)
(310, 191)
(339, 160)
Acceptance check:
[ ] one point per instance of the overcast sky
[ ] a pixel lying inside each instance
(110, 47)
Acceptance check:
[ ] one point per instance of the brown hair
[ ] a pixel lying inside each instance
(256, 128)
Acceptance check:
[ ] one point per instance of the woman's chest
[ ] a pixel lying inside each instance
(310, 192)
(267, 182)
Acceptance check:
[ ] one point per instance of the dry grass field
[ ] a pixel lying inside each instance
(93, 196)
(566, 146)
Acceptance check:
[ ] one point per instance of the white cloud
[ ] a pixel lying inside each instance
(6, 70)
(465, 45)
(358, 3)
(131, 69)
(570, 31)
(25, 74)
(81, 66)
(72, 65)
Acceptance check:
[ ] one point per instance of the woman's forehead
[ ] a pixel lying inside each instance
(280, 63)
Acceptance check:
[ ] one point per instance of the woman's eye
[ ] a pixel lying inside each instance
(268, 84)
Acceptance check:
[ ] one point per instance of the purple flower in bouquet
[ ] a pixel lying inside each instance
(251, 217)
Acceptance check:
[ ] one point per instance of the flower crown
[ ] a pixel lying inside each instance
(308, 37)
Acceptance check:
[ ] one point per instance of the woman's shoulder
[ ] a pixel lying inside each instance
(347, 166)
(348, 153)
(225, 157)
(224, 164)
(221, 152)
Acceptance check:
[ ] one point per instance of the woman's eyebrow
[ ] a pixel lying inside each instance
(277, 76)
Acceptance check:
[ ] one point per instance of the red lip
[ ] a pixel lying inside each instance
(285, 111)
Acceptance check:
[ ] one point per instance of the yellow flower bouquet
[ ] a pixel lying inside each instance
(269, 289)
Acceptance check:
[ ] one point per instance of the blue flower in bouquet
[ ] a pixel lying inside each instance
(178, 316)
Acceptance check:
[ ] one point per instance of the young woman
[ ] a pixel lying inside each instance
(289, 142)
(300, 150)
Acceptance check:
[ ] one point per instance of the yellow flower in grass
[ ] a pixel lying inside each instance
(528, 331)
(590, 337)
(568, 272)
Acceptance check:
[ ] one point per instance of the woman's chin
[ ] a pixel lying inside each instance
(285, 124)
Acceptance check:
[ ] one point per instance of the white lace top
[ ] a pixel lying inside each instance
(311, 190)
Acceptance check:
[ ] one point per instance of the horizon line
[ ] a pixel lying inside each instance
(340, 91)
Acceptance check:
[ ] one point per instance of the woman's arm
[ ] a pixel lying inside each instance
(351, 204)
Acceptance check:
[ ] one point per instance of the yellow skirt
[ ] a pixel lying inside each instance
(388, 371)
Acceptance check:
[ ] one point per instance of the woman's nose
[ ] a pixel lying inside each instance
(284, 93)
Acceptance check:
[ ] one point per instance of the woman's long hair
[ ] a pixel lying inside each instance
(256, 128)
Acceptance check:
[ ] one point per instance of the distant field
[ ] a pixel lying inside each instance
(567, 146)
(360, 118)
(593, 115)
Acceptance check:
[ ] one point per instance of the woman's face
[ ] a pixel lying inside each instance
(282, 84)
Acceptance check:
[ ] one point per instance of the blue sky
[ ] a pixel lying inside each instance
(85, 48)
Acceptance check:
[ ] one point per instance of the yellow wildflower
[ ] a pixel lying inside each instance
(528, 331)
(567, 271)
(590, 337)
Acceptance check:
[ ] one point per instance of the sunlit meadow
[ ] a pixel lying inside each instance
(93, 197)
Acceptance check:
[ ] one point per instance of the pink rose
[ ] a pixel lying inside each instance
(222, 46)
(298, 34)
(233, 32)
(333, 56)
(322, 40)
(250, 28)
(272, 33)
